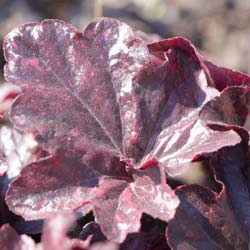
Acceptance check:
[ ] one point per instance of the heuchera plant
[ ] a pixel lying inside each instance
(111, 118)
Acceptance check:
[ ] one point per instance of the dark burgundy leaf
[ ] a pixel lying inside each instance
(183, 44)
(206, 220)
(135, 241)
(231, 166)
(141, 101)
(106, 107)
(185, 70)
(218, 77)
(223, 77)
(92, 229)
(144, 241)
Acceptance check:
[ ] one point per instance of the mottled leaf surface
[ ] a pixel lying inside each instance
(107, 108)
(65, 180)
(204, 220)
(111, 81)
(124, 204)
(207, 220)
(232, 107)
(184, 136)
(117, 204)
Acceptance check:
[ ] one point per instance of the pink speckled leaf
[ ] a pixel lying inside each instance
(119, 211)
(106, 107)
(118, 204)
(113, 82)
(57, 183)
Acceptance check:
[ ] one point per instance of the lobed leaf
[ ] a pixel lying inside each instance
(232, 107)
(207, 220)
(119, 206)
(204, 220)
(109, 109)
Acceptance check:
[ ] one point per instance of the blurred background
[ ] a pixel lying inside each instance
(219, 28)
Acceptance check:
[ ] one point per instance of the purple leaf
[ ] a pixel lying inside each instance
(67, 184)
(139, 97)
(107, 108)
(231, 107)
(135, 241)
(92, 229)
(206, 220)
(231, 167)
(184, 136)
(145, 241)
(218, 77)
